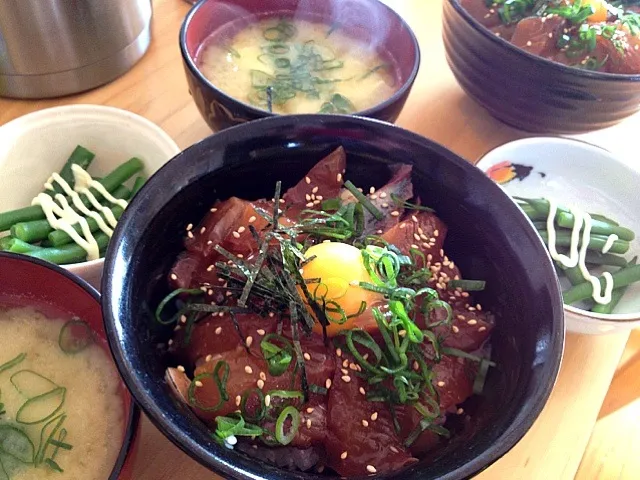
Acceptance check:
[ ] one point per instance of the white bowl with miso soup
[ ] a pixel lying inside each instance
(584, 202)
(56, 152)
(247, 59)
(64, 412)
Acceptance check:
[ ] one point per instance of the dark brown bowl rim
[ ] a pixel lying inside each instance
(134, 411)
(565, 69)
(257, 112)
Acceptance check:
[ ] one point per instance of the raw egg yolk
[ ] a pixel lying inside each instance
(339, 268)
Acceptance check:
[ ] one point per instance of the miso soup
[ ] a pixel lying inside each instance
(297, 66)
(61, 417)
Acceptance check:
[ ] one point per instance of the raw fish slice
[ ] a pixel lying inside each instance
(372, 443)
(325, 177)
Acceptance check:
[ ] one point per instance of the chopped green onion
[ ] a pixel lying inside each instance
(292, 413)
(221, 383)
(75, 336)
(366, 203)
(468, 285)
(481, 376)
(260, 410)
(42, 407)
(278, 357)
(235, 426)
(13, 362)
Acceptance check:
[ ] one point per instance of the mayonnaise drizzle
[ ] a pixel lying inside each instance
(61, 215)
(578, 257)
(573, 258)
(609, 243)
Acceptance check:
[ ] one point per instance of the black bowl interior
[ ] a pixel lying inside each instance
(488, 238)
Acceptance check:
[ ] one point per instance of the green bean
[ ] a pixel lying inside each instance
(80, 156)
(112, 181)
(616, 296)
(573, 274)
(71, 253)
(16, 245)
(137, 185)
(38, 230)
(596, 242)
(59, 238)
(567, 220)
(623, 277)
(597, 258)
(538, 209)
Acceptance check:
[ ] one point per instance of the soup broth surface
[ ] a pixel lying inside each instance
(84, 387)
(297, 66)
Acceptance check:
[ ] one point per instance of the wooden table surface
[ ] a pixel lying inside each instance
(438, 109)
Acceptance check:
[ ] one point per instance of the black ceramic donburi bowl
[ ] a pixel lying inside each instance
(370, 21)
(529, 92)
(488, 238)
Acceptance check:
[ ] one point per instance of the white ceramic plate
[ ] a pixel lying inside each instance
(38, 144)
(576, 174)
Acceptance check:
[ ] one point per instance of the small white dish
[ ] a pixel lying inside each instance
(576, 174)
(34, 146)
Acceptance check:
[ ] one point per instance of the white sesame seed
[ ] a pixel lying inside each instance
(482, 329)
(249, 341)
(308, 180)
(373, 196)
(529, 43)
(263, 376)
(267, 400)
(260, 332)
(472, 322)
(353, 366)
(346, 378)
(248, 369)
(307, 197)
(238, 400)
(343, 455)
(241, 229)
(181, 369)
(252, 219)
(190, 234)
(371, 469)
(395, 213)
(345, 363)
(338, 352)
(319, 197)
(218, 330)
(365, 423)
(198, 383)
(235, 234)
(307, 356)
(374, 416)
(314, 190)
(208, 358)
(272, 314)
(260, 384)
(308, 423)
(416, 236)
(460, 411)
(416, 365)
(327, 384)
(394, 449)
(309, 205)
(170, 342)
(441, 383)
(372, 190)
(362, 391)
(339, 177)
(310, 410)
(174, 276)
(213, 210)
(189, 227)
